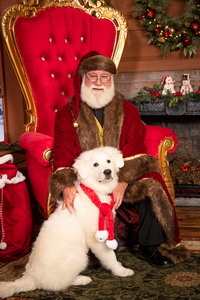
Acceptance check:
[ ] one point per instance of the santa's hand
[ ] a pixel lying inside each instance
(119, 193)
(69, 194)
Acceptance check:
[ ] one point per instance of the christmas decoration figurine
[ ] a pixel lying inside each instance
(168, 84)
(186, 87)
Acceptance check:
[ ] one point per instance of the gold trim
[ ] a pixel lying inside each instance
(178, 245)
(29, 9)
(62, 168)
(50, 205)
(135, 156)
(165, 146)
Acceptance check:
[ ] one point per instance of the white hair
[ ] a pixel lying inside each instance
(96, 99)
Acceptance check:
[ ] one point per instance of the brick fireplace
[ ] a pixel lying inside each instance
(186, 125)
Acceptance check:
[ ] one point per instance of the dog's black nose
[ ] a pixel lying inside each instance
(107, 172)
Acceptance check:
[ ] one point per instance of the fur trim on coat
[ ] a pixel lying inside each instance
(60, 179)
(87, 130)
(133, 172)
(137, 190)
(137, 166)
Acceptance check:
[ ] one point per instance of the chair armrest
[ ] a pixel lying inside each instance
(39, 145)
(155, 135)
(160, 141)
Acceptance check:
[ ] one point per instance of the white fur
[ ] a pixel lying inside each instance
(60, 252)
(95, 98)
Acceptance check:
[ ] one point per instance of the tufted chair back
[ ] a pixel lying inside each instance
(46, 40)
(50, 40)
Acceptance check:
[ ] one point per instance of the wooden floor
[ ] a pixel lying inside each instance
(189, 220)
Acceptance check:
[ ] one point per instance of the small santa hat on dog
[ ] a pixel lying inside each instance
(105, 218)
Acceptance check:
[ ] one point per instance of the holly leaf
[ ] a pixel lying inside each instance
(178, 46)
(190, 50)
(185, 51)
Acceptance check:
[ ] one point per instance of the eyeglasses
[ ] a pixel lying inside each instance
(104, 78)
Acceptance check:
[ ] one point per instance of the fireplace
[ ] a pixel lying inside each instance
(185, 171)
(185, 161)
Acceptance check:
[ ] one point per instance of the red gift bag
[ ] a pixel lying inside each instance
(15, 212)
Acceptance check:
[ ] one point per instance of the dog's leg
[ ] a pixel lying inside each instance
(109, 261)
(81, 280)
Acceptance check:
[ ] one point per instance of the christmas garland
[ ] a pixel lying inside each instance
(170, 33)
(5, 145)
(147, 95)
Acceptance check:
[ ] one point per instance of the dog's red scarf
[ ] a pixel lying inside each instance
(105, 210)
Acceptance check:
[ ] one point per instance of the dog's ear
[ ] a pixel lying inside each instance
(81, 167)
(117, 156)
(118, 159)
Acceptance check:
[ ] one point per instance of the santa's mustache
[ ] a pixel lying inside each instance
(100, 87)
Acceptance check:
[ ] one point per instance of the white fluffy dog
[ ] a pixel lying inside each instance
(60, 252)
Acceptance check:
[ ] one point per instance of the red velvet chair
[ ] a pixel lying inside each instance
(45, 43)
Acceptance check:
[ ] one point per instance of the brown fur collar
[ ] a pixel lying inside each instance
(137, 166)
(87, 130)
(60, 179)
(162, 208)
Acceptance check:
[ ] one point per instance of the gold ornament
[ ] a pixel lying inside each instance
(75, 124)
(161, 39)
(187, 24)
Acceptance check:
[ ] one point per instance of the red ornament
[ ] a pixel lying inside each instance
(6, 143)
(194, 26)
(151, 14)
(186, 41)
(154, 32)
(198, 91)
(166, 33)
(141, 17)
(177, 94)
(157, 94)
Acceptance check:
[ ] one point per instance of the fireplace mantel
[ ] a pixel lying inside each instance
(190, 108)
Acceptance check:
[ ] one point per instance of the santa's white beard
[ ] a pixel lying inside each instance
(97, 99)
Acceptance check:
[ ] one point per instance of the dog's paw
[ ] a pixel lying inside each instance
(82, 280)
(123, 272)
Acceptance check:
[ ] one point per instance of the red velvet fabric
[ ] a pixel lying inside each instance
(51, 45)
(15, 217)
(36, 144)
(133, 137)
(155, 135)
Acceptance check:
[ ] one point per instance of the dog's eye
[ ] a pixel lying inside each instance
(108, 161)
(95, 165)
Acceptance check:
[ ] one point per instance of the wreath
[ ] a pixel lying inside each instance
(170, 33)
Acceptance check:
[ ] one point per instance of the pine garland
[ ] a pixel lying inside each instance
(5, 145)
(170, 33)
(154, 95)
